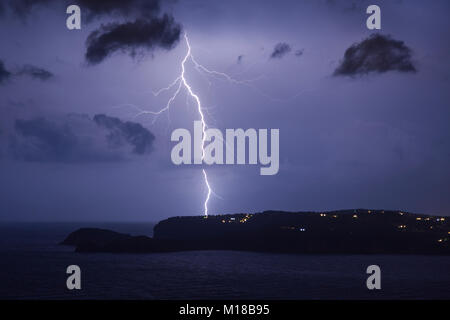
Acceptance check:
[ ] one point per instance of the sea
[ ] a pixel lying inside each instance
(33, 266)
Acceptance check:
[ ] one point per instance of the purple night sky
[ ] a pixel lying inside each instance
(374, 135)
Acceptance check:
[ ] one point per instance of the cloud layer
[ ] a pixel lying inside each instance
(78, 138)
(121, 133)
(299, 53)
(35, 72)
(280, 50)
(131, 37)
(26, 70)
(4, 74)
(146, 33)
(378, 53)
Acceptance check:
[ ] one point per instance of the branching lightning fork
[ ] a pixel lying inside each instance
(180, 82)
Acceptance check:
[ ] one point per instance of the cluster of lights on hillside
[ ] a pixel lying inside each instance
(241, 220)
(246, 217)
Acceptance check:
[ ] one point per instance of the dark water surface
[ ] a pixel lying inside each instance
(32, 266)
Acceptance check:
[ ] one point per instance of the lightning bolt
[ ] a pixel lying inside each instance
(180, 82)
(202, 117)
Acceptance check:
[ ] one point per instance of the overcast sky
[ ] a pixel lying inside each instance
(362, 129)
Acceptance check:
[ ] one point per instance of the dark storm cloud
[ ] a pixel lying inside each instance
(35, 72)
(4, 74)
(126, 132)
(78, 138)
(146, 33)
(129, 37)
(280, 50)
(378, 53)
